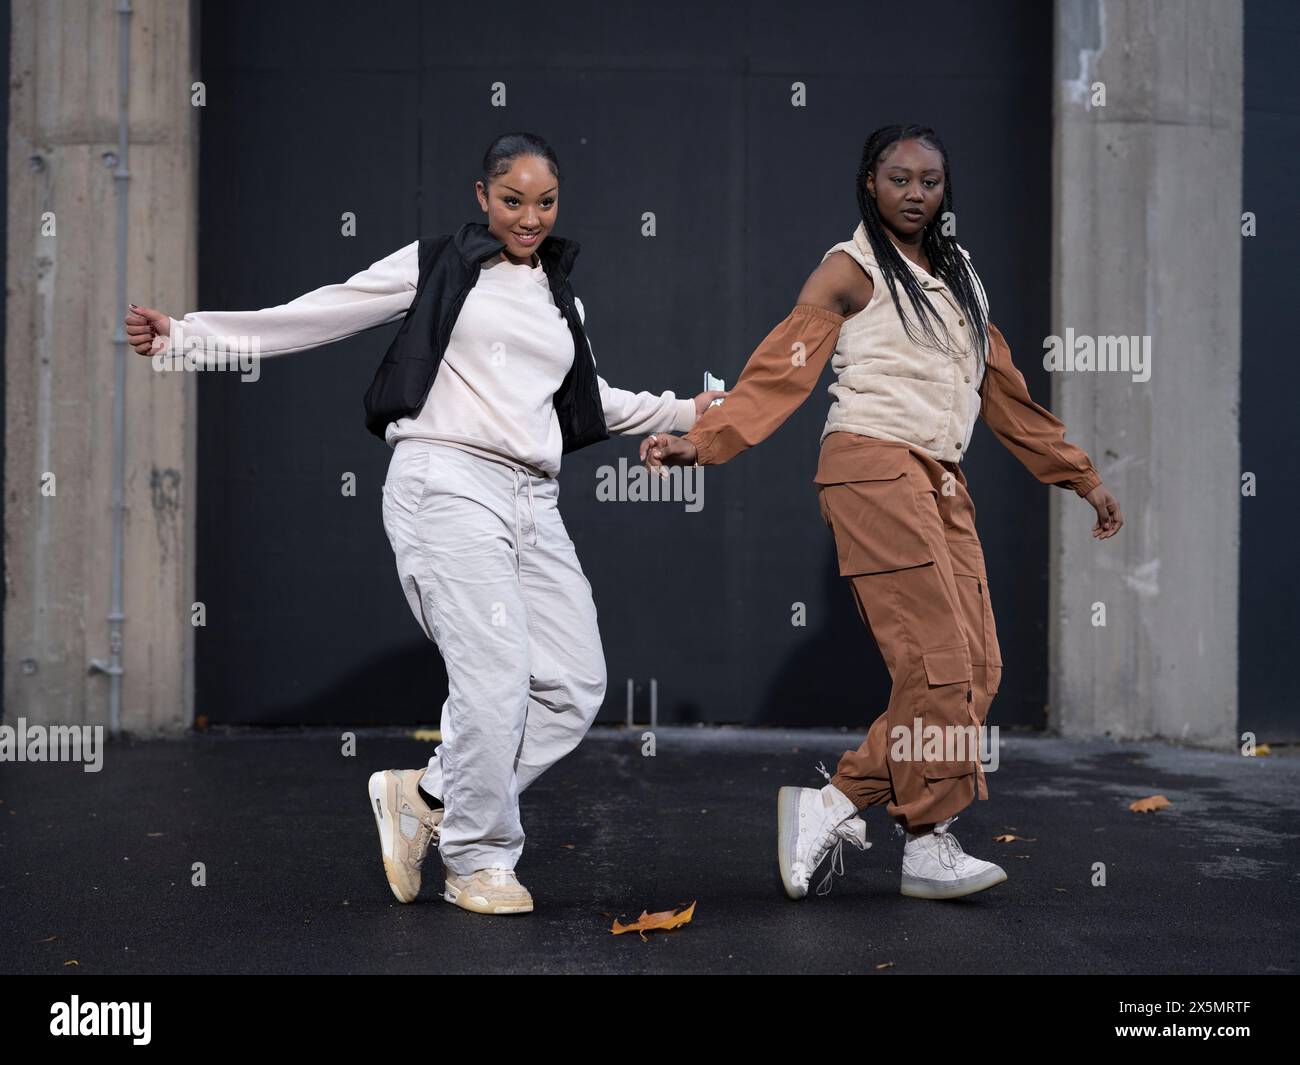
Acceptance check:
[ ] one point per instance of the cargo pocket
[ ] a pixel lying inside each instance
(993, 651)
(874, 516)
(945, 770)
(821, 505)
(948, 665)
(951, 665)
(968, 569)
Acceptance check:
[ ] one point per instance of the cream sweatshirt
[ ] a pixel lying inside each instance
(493, 392)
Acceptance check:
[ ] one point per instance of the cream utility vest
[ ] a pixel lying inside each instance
(890, 387)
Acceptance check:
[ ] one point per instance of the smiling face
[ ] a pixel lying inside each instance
(908, 186)
(521, 206)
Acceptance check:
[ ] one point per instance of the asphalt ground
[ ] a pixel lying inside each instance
(97, 868)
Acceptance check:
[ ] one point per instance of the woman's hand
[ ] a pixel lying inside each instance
(664, 449)
(703, 400)
(144, 326)
(1106, 505)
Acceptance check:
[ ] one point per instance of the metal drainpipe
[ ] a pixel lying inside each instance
(121, 176)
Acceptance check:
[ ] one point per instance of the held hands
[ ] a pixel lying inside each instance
(144, 327)
(1109, 518)
(664, 449)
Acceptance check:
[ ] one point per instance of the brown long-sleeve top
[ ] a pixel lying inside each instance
(785, 367)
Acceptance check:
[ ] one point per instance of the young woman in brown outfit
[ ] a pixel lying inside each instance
(910, 384)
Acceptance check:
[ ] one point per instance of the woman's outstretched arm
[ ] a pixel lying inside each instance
(633, 413)
(1036, 437)
(1033, 434)
(779, 375)
(372, 297)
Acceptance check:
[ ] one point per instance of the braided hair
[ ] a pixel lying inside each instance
(946, 260)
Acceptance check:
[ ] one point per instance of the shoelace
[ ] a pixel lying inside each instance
(430, 823)
(949, 846)
(836, 867)
(497, 876)
(837, 864)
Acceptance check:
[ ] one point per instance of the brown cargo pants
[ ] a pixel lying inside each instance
(905, 537)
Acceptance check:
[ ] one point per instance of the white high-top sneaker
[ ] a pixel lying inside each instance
(808, 822)
(936, 867)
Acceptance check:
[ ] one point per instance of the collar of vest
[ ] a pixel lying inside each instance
(474, 243)
(863, 243)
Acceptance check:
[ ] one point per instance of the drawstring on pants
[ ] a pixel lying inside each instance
(531, 516)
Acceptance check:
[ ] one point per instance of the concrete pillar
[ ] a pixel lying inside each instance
(1147, 243)
(62, 314)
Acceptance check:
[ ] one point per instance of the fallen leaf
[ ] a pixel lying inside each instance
(427, 734)
(47, 939)
(1008, 838)
(1263, 748)
(885, 965)
(72, 962)
(663, 920)
(1147, 805)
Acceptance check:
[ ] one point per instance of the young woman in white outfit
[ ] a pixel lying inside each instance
(470, 509)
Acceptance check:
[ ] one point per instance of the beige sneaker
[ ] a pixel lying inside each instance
(492, 890)
(407, 827)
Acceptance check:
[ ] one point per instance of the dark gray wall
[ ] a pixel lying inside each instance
(4, 266)
(1270, 374)
(677, 108)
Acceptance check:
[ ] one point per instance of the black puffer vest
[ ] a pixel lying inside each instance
(449, 268)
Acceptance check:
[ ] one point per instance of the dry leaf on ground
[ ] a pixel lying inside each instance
(1149, 804)
(648, 922)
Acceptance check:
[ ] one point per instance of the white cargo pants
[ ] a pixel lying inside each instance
(493, 579)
